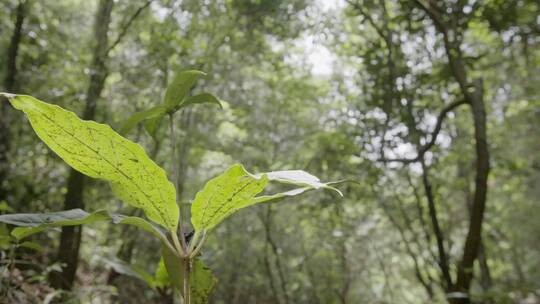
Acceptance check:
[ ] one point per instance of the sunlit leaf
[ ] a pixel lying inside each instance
(223, 195)
(97, 151)
(236, 189)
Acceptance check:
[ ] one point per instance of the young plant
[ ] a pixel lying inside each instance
(97, 151)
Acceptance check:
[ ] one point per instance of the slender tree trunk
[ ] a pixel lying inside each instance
(70, 238)
(10, 85)
(267, 222)
(439, 237)
(473, 94)
(474, 236)
(485, 274)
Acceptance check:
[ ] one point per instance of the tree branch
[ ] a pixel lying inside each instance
(368, 17)
(126, 26)
(443, 257)
(425, 148)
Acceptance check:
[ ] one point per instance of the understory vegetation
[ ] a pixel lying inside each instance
(387, 151)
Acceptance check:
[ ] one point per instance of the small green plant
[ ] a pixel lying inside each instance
(97, 151)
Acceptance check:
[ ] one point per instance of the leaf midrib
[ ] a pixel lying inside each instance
(114, 167)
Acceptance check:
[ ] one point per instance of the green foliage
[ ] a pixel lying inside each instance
(133, 271)
(384, 80)
(202, 282)
(31, 223)
(180, 87)
(174, 265)
(223, 195)
(150, 114)
(176, 97)
(201, 98)
(236, 189)
(97, 151)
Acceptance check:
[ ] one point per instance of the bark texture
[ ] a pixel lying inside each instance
(70, 238)
(10, 85)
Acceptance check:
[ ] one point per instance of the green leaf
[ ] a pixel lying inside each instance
(32, 245)
(201, 98)
(236, 189)
(175, 267)
(299, 178)
(161, 277)
(142, 224)
(152, 113)
(97, 151)
(202, 282)
(179, 88)
(223, 195)
(151, 125)
(280, 196)
(36, 222)
(133, 271)
(5, 207)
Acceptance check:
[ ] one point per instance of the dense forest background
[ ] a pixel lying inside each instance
(429, 109)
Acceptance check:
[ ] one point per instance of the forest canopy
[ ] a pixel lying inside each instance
(269, 151)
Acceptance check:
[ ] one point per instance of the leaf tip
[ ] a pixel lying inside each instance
(8, 95)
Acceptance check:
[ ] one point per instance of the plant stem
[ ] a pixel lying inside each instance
(176, 179)
(177, 246)
(181, 246)
(193, 253)
(187, 271)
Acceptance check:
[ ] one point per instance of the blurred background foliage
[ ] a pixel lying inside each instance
(336, 88)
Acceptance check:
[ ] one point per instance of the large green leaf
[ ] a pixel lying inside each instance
(236, 189)
(97, 151)
(223, 195)
(36, 222)
(179, 88)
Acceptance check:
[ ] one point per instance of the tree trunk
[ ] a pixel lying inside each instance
(474, 236)
(10, 85)
(70, 238)
(474, 96)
